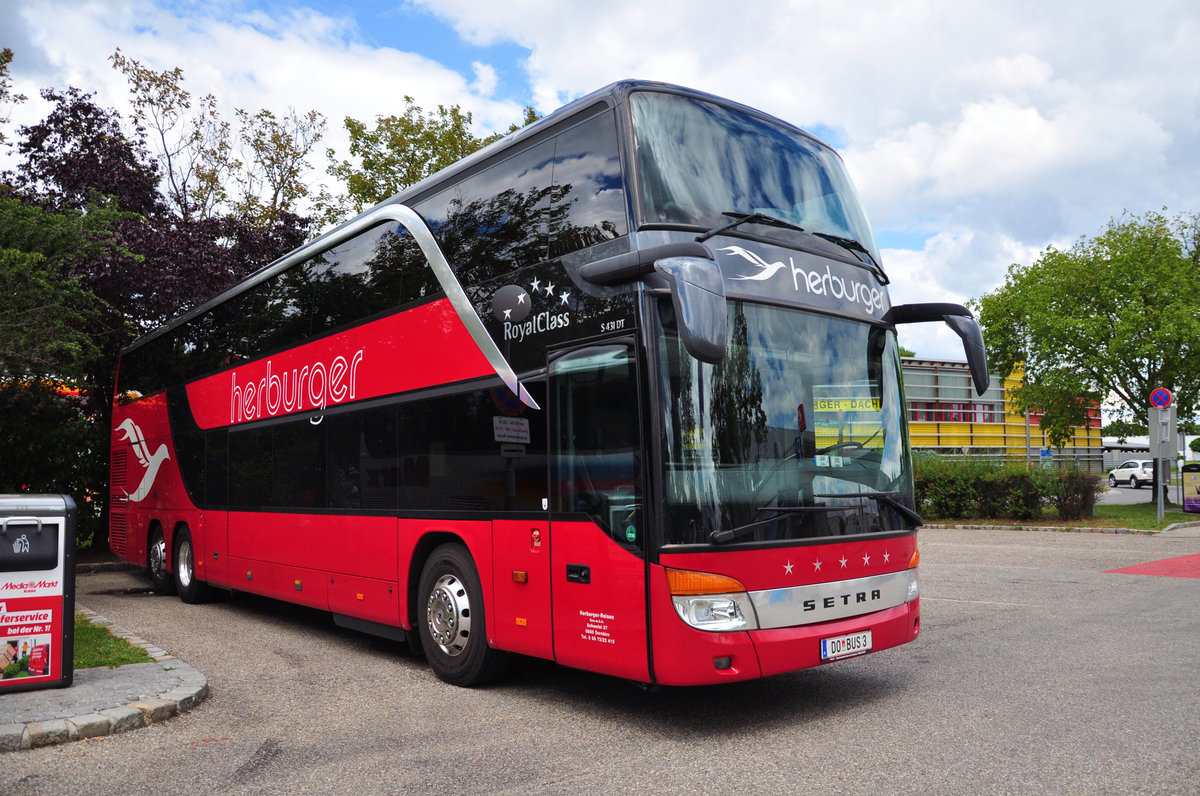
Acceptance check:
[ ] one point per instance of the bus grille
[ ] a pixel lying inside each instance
(118, 522)
(117, 526)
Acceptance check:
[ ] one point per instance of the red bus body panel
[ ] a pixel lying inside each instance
(383, 357)
(520, 618)
(599, 625)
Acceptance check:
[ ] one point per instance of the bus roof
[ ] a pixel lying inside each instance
(610, 96)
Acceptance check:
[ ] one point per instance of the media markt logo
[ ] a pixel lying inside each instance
(150, 461)
(513, 307)
(813, 281)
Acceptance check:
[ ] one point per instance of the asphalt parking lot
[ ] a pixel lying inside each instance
(1037, 670)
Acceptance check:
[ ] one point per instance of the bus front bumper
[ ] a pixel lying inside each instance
(686, 656)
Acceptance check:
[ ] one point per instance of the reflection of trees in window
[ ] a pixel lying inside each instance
(398, 272)
(739, 422)
(486, 238)
(554, 198)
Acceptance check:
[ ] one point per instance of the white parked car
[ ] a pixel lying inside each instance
(1134, 472)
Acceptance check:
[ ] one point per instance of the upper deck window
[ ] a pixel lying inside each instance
(698, 160)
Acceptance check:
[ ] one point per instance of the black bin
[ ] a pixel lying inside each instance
(37, 592)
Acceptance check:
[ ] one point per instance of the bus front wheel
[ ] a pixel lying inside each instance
(451, 619)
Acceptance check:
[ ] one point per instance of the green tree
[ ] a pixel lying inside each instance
(194, 146)
(1113, 316)
(275, 161)
(201, 156)
(399, 151)
(1123, 429)
(50, 438)
(46, 311)
(7, 97)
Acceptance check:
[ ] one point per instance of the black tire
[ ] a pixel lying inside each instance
(156, 563)
(1112, 481)
(451, 620)
(1134, 483)
(191, 590)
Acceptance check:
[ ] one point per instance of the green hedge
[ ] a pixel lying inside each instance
(954, 489)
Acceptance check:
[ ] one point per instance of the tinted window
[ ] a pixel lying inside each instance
(380, 270)
(596, 438)
(362, 468)
(216, 467)
(588, 200)
(449, 457)
(494, 221)
(250, 464)
(698, 160)
(298, 474)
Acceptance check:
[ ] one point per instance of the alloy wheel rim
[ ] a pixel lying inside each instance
(448, 615)
(185, 563)
(158, 557)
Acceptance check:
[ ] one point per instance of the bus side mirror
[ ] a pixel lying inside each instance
(972, 336)
(698, 295)
(958, 318)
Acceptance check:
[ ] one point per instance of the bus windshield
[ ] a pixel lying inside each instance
(796, 434)
(699, 161)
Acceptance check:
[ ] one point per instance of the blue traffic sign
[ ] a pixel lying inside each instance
(1161, 398)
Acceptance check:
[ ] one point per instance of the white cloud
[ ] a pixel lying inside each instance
(989, 129)
(485, 79)
(948, 269)
(1021, 121)
(299, 59)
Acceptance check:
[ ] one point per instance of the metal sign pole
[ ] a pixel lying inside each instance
(1159, 488)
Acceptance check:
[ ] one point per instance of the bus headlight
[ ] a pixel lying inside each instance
(914, 589)
(715, 612)
(699, 603)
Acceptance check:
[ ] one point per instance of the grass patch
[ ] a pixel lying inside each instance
(96, 646)
(1139, 516)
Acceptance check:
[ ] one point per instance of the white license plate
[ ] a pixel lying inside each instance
(845, 646)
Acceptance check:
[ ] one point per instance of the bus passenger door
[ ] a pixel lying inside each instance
(597, 542)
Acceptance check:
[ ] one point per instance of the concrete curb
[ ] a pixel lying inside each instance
(1064, 529)
(187, 688)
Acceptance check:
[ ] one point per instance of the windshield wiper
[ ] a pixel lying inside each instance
(886, 498)
(747, 218)
(849, 244)
(901, 509)
(852, 245)
(728, 535)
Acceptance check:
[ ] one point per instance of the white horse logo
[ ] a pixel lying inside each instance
(149, 461)
(767, 270)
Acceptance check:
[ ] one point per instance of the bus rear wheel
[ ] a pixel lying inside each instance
(190, 589)
(451, 619)
(156, 555)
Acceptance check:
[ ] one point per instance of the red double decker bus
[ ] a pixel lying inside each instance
(619, 391)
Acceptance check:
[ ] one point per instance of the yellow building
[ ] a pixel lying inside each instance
(945, 415)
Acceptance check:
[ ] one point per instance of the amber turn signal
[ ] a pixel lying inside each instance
(685, 581)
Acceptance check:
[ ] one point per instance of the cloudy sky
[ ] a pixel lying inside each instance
(977, 131)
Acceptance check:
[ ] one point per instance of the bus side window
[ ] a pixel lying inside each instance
(495, 221)
(588, 200)
(596, 438)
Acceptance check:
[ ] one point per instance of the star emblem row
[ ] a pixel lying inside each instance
(537, 287)
(843, 561)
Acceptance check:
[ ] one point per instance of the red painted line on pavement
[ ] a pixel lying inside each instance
(1182, 567)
